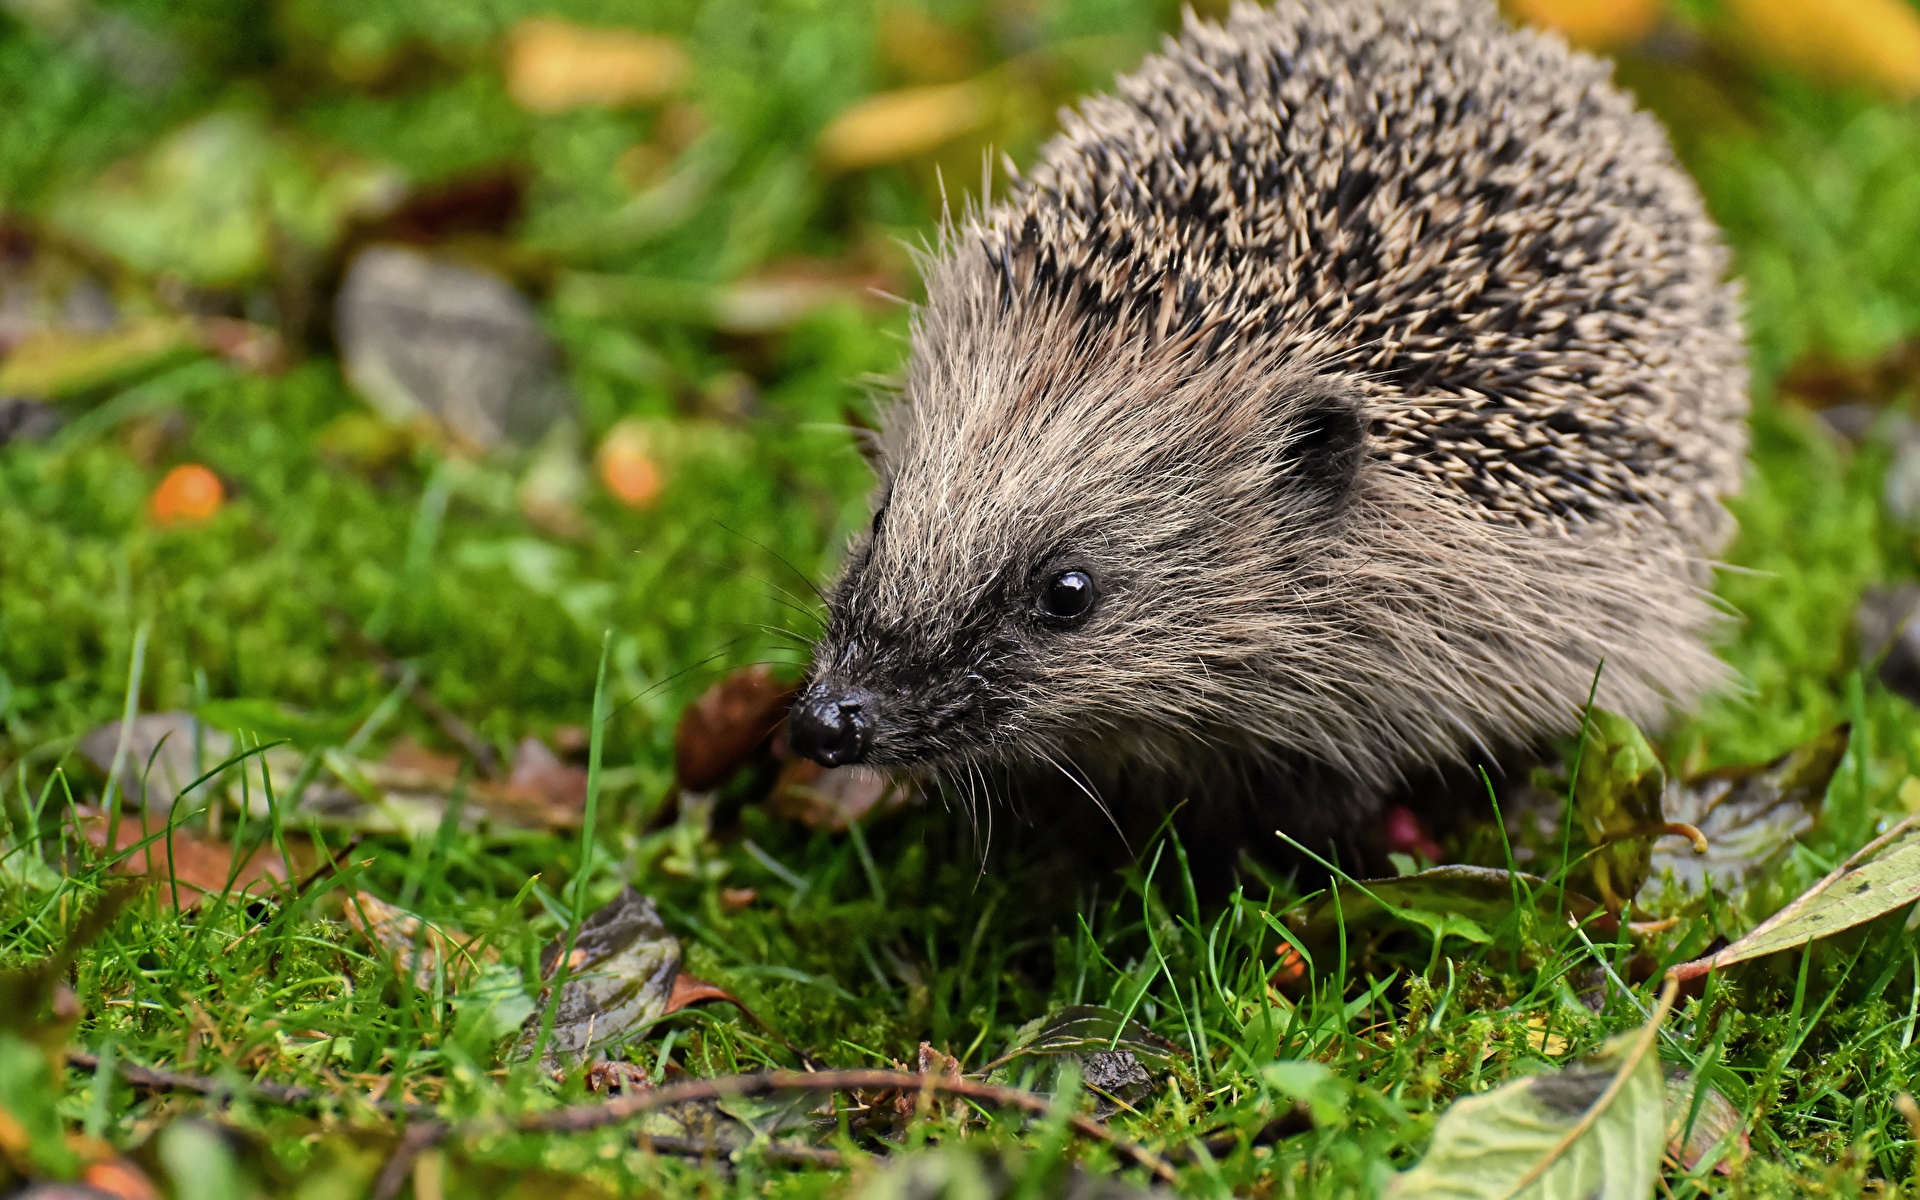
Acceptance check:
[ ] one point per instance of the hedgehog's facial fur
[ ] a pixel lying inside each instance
(1129, 470)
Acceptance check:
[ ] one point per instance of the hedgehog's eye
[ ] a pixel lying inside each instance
(1067, 597)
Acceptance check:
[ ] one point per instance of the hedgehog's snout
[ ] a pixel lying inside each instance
(832, 725)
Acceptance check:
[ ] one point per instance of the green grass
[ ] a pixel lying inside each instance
(856, 949)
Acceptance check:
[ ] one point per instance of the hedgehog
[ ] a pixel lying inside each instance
(1350, 395)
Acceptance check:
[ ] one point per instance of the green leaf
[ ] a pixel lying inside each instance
(1595, 1130)
(494, 1005)
(1451, 901)
(1882, 876)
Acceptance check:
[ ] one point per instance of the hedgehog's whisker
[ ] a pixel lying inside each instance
(1085, 783)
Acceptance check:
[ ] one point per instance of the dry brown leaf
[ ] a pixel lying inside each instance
(1875, 43)
(201, 864)
(832, 800)
(895, 126)
(730, 721)
(1592, 24)
(554, 65)
(417, 948)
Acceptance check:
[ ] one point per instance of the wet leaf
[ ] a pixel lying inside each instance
(416, 948)
(1875, 43)
(895, 126)
(624, 976)
(554, 65)
(722, 730)
(1617, 797)
(411, 790)
(1750, 816)
(1595, 1130)
(420, 337)
(190, 494)
(1882, 876)
(168, 751)
(1593, 24)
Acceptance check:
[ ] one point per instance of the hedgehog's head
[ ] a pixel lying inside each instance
(1080, 541)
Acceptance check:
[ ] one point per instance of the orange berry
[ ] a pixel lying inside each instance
(188, 495)
(627, 469)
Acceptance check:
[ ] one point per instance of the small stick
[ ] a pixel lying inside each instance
(581, 1118)
(157, 1079)
(416, 1141)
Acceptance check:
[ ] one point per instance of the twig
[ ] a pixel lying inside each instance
(797, 1156)
(156, 1079)
(582, 1118)
(416, 1141)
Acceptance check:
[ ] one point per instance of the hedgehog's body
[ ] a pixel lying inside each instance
(1326, 406)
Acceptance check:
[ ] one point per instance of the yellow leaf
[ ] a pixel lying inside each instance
(1872, 42)
(1592, 24)
(894, 126)
(555, 65)
(58, 362)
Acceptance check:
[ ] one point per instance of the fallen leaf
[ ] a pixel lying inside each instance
(189, 494)
(1716, 1119)
(538, 775)
(622, 977)
(1542, 1040)
(420, 337)
(832, 799)
(626, 465)
(489, 202)
(895, 126)
(418, 949)
(1617, 797)
(1593, 1130)
(198, 865)
(1871, 42)
(1592, 24)
(555, 65)
(1118, 1057)
(1750, 816)
(719, 732)
(1882, 876)
(61, 362)
(1456, 900)
(120, 1179)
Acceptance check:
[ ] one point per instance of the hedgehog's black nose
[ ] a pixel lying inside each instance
(831, 727)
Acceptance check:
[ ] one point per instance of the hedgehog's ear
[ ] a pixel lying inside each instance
(1322, 439)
